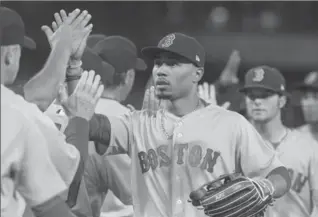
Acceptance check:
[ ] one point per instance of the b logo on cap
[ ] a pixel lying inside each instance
(258, 75)
(168, 40)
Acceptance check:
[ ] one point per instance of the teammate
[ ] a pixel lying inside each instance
(190, 143)
(26, 167)
(265, 97)
(309, 104)
(108, 176)
(64, 157)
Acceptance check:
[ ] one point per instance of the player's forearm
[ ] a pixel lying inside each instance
(100, 129)
(43, 88)
(281, 181)
(53, 208)
(77, 135)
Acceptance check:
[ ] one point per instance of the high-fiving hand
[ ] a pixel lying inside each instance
(150, 103)
(84, 99)
(207, 92)
(78, 24)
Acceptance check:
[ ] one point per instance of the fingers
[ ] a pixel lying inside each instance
(63, 15)
(54, 26)
(206, 90)
(58, 19)
(153, 99)
(226, 105)
(85, 21)
(99, 93)
(47, 30)
(95, 84)
(235, 56)
(200, 91)
(80, 18)
(72, 16)
(212, 93)
(82, 82)
(89, 81)
(146, 100)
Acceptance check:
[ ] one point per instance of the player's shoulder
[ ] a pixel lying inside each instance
(222, 113)
(303, 139)
(303, 128)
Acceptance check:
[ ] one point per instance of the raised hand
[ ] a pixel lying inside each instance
(151, 103)
(229, 74)
(84, 99)
(78, 22)
(207, 93)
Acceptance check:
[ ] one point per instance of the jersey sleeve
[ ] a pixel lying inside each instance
(95, 180)
(313, 168)
(119, 177)
(254, 156)
(39, 181)
(113, 132)
(121, 135)
(65, 156)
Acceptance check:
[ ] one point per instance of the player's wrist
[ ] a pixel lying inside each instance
(266, 187)
(74, 73)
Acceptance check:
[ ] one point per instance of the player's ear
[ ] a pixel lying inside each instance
(6, 55)
(10, 53)
(282, 101)
(198, 74)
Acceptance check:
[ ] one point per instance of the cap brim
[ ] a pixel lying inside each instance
(92, 61)
(141, 65)
(249, 87)
(29, 43)
(153, 52)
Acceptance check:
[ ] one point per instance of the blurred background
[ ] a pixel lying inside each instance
(281, 34)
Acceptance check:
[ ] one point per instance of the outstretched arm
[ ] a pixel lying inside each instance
(43, 87)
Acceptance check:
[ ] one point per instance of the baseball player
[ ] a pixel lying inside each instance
(108, 176)
(265, 97)
(26, 166)
(309, 104)
(65, 157)
(187, 144)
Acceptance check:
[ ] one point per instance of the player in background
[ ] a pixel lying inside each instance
(107, 178)
(188, 144)
(309, 104)
(265, 95)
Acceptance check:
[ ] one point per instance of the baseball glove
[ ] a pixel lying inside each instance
(234, 195)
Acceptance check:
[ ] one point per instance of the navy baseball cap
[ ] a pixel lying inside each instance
(265, 77)
(93, 39)
(12, 29)
(117, 51)
(310, 82)
(179, 44)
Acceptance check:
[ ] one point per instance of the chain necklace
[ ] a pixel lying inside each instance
(163, 116)
(276, 144)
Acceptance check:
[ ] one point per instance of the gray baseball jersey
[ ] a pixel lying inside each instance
(205, 144)
(299, 153)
